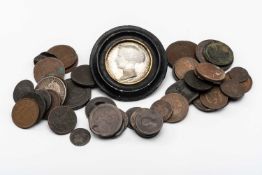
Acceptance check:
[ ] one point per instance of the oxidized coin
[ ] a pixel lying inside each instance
(105, 120)
(42, 56)
(77, 96)
(179, 106)
(80, 137)
(180, 49)
(246, 85)
(182, 88)
(163, 108)
(124, 123)
(46, 96)
(197, 103)
(200, 49)
(55, 84)
(25, 113)
(194, 82)
(73, 67)
(95, 102)
(129, 113)
(62, 120)
(218, 53)
(55, 102)
(238, 73)
(183, 65)
(49, 67)
(82, 76)
(22, 88)
(232, 89)
(214, 99)
(210, 72)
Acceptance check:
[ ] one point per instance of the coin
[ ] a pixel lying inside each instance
(214, 99)
(25, 113)
(73, 67)
(22, 88)
(200, 49)
(232, 89)
(46, 96)
(182, 88)
(238, 73)
(42, 56)
(82, 76)
(163, 108)
(62, 120)
(210, 72)
(55, 102)
(180, 49)
(49, 67)
(124, 124)
(77, 96)
(55, 84)
(179, 106)
(197, 103)
(105, 120)
(129, 112)
(80, 137)
(194, 82)
(183, 65)
(95, 102)
(247, 85)
(64, 53)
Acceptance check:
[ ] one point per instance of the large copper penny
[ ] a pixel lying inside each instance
(238, 73)
(183, 65)
(247, 85)
(200, 49)
(210, 72)
(197, 103)
(179, 106)
(163, 108)
(232, 89)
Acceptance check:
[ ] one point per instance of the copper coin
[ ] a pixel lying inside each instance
(49, 67)
(73, 67)
(46, 96)
(42, 56)
(124, 124)
(80, 137)
(200, 49)
(22, 88)
(238, 73)
(197, 103)
(180, 49)
(232, 89)
(179, 106)
(163, 108)
(66, 54)
(82, 76)
(183, 65)
(55, 102)
(247, 85)
(25, 113)
(210, 72)
(214, 99)
(129, 113)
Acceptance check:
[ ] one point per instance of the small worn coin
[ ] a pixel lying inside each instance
(95, 102)
(80, 137)
(232, 89)
(183, 65)
(196, 83)
(55, 84)
(179, 106)
(77, 96)
(238, 73)
(55, 102)
(214, 99)
(42, 56)
(25, 113)
(46, 96)
(210, 72)
(105, 120)
(62, 120)
(22, 88)
(182, 88)
(197, 103)
(129, 113)
(82, 76)
(49, 67)
(200, 49)
(124, 123)
(163, 108)
(180, 49)
(247, 85)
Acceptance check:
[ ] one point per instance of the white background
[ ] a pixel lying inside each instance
(225, 142)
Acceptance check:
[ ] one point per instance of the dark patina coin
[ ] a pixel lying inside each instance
(95, 102)
(124, 124)
(163, 108)
(55, 102)
(183, 65)
(197, 103)
(80, 137)
(42, 56)
(82, 76)
(238, 73)
(77, 96)
(105, 120)
(232, 89)
(247, 85)
(22, 88)
(129, 113)
(182, 88)
(210, 72)
(180, 49)
(62, 120)
(46, 96)
(200, 50)
(194, 82)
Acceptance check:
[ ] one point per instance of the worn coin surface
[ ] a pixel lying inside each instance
(183, 65)
(105, 120)
(232, 89)
(80, 137)
(77, 96)
(46, 96)
(210, 72)
(62, 120)
(163, 108)
(42, 56)
(196, 83)
(82, 76)
(179, 106)
(22, 88)
(25, 113)
(124, 123)
(238, 73)
(180, 49)
(247, 85)
(55, 102)
(129, 113)
(197, 103)
(200, 49)
(49, 67)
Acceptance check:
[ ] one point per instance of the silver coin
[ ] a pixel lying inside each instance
(128, 62)
(55, 84)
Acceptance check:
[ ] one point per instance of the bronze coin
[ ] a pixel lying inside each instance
(22, 88)
(80, 137)
(179, 106)
(55, 102)
(210, 72)
(200, 49)
(183, 65)
(46, 96)
(64, 53)
(238, 73)
(214, 99)
(42, 56)
(82, 76)
(197, 103)
(247, 85)
(232, 89)
(49, 67)
(73, 67)
(25, 113)
(129, 113)
(163, 108)
(180, 49)
(124, 124)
